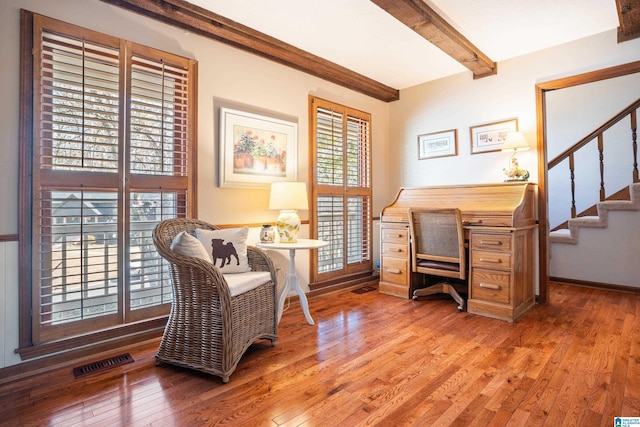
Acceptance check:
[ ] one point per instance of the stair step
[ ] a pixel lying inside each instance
(562, 236)
(570, 235)
(619, 204)
(588, 221)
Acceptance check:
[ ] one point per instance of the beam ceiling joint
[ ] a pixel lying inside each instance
(425, 21)
(190, 17)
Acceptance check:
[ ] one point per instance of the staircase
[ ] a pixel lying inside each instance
(570, 235)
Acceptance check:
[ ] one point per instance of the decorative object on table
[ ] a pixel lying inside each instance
(288, 197)
(256, 149)
(438, 144)
(491, 136)
(267, 234)
(515, 142)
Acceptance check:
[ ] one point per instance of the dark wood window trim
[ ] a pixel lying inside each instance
(135, 182)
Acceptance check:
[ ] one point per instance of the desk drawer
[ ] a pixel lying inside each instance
(395, 235)
(491, 242)
(394, 270)
(490, 285)
(487, 220)
(395, 250)
(501, 260)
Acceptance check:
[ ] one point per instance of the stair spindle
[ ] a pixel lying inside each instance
(634, 143)
(601, 155)
(573, 185)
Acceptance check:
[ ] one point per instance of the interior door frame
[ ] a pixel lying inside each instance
(543, 196)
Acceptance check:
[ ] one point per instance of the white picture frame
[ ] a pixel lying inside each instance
(256, 149)
(491, 136)
(438, 144)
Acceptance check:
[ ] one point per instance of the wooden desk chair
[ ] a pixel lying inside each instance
(438, 249)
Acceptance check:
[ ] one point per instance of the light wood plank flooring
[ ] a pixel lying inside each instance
(377, 360)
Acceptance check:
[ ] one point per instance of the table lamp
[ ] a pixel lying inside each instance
(515, 142)
(288, 197)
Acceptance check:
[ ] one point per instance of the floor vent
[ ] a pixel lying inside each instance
(102, 365)
(363, 290)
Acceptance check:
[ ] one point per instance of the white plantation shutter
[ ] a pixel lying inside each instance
(341, 212)
(111, 158)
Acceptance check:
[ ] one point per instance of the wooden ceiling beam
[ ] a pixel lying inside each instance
(629, 18)
(426, 22)
(185, 15)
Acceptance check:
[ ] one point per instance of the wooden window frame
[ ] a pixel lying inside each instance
(125, 184)
(345, 192)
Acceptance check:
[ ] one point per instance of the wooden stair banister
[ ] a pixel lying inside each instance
(569, 153)
(584, 141)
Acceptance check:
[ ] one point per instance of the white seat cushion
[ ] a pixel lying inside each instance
(240, 283)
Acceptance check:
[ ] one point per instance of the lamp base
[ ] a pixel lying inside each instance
(288, 226)
(515, 172)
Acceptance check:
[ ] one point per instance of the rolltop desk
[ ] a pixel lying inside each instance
(500, 225)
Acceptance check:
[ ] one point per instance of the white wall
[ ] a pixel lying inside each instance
(459, 102)
(8, 303)
(602, 255)
(225, 73)
(573, 113)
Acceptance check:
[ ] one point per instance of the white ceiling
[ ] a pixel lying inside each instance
(360, 36)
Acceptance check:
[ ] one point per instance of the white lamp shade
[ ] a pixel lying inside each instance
(288, 195)
(515, 142)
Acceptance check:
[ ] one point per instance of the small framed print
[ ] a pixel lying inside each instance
(491, 136)
(438, 144)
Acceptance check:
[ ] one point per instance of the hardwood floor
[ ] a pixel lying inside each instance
(374, 359)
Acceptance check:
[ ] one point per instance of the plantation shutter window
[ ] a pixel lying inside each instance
(113, 154)
(341, 176)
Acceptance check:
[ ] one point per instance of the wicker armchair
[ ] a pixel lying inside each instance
(208, 330)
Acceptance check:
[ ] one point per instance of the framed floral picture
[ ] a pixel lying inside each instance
(491, 136)
(255, 149)
(438, 144)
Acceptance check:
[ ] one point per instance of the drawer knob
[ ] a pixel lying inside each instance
(394, 250)
(467, 222)
(393, 270)
(490, 286)
(491, 260)
(491, 242)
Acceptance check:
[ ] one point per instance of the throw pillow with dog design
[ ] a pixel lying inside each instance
(227, 248)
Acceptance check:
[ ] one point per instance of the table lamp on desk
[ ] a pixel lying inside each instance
(288, 197)
(515, 142)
